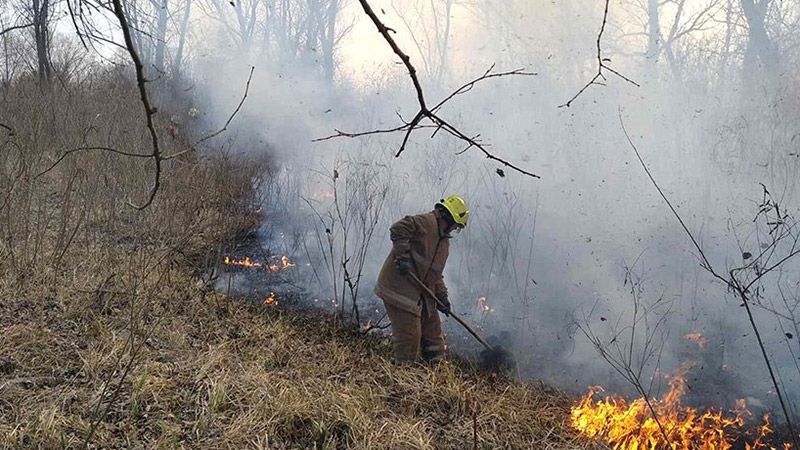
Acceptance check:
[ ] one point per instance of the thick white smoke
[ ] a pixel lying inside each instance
(547, 253)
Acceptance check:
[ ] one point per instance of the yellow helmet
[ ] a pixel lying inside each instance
(457, 208)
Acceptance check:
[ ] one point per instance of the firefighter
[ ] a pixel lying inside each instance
(420, 245)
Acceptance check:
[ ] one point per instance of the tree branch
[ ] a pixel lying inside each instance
(430, 114)
(601, 64)
(148, 110)
(15, 27)
(193, 147)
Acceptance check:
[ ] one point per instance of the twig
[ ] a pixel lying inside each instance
(732, 283)
(425, 113)
(601, 64)
(16, 27)
(227, 122)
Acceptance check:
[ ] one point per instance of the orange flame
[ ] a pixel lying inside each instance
(631, 426)
(278, 265)
(246, 262)
(271, 299)
(697, 338)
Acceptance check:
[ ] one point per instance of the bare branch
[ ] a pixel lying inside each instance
(193, 147)
(148, 110)
(486, 75)
(235, 111)
(15, 27)
(430, 114)
(601, 64)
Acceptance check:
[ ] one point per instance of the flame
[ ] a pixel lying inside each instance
(697, 338)
(286, 263)
(271, 299)
(630, 425)
(483, 306)
(246, 262)
(276, 265)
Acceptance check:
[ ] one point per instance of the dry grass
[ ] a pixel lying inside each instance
(108, 339)
(220, 373)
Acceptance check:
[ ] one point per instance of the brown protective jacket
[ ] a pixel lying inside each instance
(418, 238)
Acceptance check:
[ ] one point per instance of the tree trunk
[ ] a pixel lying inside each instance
(444, 43)
(40, 34)
(178, 64)
(653, 30)
(761, 57)
(161, 34)
(329, 40)
(726, 46)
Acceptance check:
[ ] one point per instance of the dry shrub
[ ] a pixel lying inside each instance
(108, 339)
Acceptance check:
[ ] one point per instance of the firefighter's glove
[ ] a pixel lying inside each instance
(403, 265)
(443, 303)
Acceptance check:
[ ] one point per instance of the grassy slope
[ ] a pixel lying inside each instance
(219, 373)
(106, 337)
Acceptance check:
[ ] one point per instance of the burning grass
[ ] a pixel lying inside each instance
(631, 425)
(276, 263)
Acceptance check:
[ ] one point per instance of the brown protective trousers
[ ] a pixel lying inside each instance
(415, 336)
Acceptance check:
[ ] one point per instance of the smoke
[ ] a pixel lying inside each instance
(579, 245)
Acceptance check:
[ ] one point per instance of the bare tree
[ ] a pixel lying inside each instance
(37, 15)
(761, 55)
(239, 19)
(160, 32)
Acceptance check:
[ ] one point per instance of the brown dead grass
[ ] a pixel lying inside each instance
(219, 373)
(108, 339)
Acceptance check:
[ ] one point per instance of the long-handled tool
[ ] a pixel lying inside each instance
(452, 314)
(494, 357)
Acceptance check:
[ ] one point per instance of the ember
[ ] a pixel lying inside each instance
(630, 425)
(697, 338)
(271, 299)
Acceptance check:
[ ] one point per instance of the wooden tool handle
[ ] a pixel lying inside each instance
(452, 314)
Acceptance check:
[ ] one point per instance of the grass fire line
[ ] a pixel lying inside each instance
(630, 425)
(277, 265)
